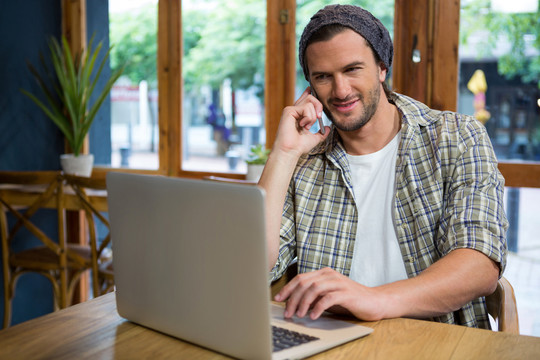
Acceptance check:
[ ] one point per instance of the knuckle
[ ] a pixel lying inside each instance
(315, 287)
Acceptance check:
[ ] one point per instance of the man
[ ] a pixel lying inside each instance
(396, 209)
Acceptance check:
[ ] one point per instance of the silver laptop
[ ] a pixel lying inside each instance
(190, 261)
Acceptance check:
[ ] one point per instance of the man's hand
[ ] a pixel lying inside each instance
(326, 289)
(445, 286)
(293, 134)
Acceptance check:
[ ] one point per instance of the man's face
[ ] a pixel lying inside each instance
(346, 79)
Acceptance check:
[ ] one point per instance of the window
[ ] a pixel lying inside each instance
(498, 83)
(223, 83)
(232, 77)
(134, 115)
(498, 75)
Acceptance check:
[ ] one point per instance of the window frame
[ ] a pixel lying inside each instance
(434, 80)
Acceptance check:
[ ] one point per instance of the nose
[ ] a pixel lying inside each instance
(341, 87)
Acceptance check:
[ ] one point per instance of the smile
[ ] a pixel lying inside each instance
(346, 107)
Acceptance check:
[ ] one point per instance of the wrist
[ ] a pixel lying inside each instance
(392, 303)
(284, 157)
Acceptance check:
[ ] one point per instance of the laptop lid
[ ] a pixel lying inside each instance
(190, 261)
(184, 251)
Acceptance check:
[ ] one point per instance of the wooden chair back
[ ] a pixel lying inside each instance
(100, 251)
(61, 261)
(502, 307)
(18, 197)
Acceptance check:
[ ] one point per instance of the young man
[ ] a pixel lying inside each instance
(396, 209)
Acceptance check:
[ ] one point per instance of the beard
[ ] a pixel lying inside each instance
(370, 107)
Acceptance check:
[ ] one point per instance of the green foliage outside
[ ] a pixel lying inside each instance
(134, 36)
(231, 45)
(520, 31)
(225, 39)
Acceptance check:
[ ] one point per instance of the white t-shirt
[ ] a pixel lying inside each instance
(376, 258)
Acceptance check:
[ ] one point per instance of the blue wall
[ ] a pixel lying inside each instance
(28, 139)
(100, 133)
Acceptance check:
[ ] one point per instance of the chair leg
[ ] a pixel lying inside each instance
(9, 293)
(7, 311)
(95, 281)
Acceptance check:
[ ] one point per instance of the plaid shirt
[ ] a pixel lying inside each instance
(449, 195)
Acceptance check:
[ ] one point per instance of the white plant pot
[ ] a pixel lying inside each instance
(254, 172)
(77, 165)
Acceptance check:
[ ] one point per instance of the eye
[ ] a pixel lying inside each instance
(353, 69)
(321, 77)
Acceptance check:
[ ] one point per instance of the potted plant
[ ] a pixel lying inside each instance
(67, 88)
(255, 162)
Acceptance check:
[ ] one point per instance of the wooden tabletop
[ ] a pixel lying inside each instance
(94, 330)
(26, 195)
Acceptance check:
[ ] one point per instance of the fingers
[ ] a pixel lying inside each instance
(313, 108)
(294, 135)
(315, 291)
(304, 95)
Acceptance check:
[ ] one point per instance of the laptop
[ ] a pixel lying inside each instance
(190, 261)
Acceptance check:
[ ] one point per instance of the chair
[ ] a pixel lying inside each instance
(502, 307)
(106, 276)
(100, 259)
(22, 194)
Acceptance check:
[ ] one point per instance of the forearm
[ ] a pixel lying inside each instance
(275, 181)
(293, 139)
(448, 284)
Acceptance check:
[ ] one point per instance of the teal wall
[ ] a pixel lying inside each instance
(28, 139)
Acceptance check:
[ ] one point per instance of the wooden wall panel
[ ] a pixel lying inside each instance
(444, 79)
(517, 174)
(431, 27)
(411, 31)
(169, 85)
(280, 70)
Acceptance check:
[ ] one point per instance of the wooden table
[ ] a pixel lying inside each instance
(95, 330)
(26, 195)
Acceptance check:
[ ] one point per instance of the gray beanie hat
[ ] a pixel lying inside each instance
(356, 18)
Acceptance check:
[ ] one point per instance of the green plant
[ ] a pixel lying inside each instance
(258, 155)
(68, 87)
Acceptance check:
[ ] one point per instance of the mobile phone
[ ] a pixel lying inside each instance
(319, 119)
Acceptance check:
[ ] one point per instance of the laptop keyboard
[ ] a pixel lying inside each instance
(284, 338)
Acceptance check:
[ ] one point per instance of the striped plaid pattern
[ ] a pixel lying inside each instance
(449, 195)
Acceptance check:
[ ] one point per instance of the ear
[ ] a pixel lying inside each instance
(383, 71)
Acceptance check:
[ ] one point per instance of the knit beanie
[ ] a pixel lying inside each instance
(356, 18)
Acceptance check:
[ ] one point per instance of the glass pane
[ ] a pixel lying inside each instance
(305, 9)
(134, 117)
(499, 73)
(223, 72)
(523, 268)
(498, 82)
